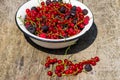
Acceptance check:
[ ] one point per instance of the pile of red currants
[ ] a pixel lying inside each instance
(66, 67)
(55, 19)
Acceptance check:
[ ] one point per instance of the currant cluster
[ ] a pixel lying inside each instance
(67, 67)
(55, 19)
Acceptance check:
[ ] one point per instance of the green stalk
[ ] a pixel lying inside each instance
(66, 51)
(21, 19)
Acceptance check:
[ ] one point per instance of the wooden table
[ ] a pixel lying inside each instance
(22, 60)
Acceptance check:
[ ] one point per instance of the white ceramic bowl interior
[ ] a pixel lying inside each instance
(51, 43)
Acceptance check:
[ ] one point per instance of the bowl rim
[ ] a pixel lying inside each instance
(51, 40)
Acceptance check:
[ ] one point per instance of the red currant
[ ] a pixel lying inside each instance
(47, 65)
(60, 61)
(97, 59)
(93, 63)
(50, 73)
(59, 74)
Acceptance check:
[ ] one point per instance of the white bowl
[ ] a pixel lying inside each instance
(51, 43)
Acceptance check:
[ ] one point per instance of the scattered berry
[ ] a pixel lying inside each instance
(85, 11)
(60, 61)
(97, 59)
(47, 65)
(31, 29)
(59, 74)
(88, 67)
(50, 73)
(93, 63)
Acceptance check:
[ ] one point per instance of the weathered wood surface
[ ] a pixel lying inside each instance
(19, 60)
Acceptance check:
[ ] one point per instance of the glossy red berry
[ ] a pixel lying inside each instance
(47, 65)
(42, 3)
(80, 67)
(43, 35)
(55, 60)
(70, 71)
(66, 61)
(62, 67)
(67, 72)
(60, 61)
(93, 63)
(59, 74)
(86, 20)
(70, 63)
(27, 10)
(56, 71)
(50, 73)
(77, 65)
(48, 57)
(97, 59)
(58, 68)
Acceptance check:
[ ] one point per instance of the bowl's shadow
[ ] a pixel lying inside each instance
(84, 41)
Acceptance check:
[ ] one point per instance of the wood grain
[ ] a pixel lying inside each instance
(19, 60)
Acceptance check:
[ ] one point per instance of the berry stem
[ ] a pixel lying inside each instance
(21, 19)
(66, 51)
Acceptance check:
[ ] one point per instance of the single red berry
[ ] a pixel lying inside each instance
(81, 16)
(80, 67)
(55, 60)
(66, 71)
(97, 59)
(70, 71)
(58, 68)
(51, 61)
(50, 73)
(82, 26)
(43, 35)
(79, 9)
(48, 58)
(72, 25)
(60, 61)
(27, 10)
(77, 65)
(38, 8)
(59, 74)
(74, 67)
(29, 14)
(62, 67)
(93, 63)
(66, 61)
(70, 63)
(86, 20)
(47, 65)
(42, 3)
(56, 71)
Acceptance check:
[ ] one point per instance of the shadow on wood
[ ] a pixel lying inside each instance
(84, 42)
